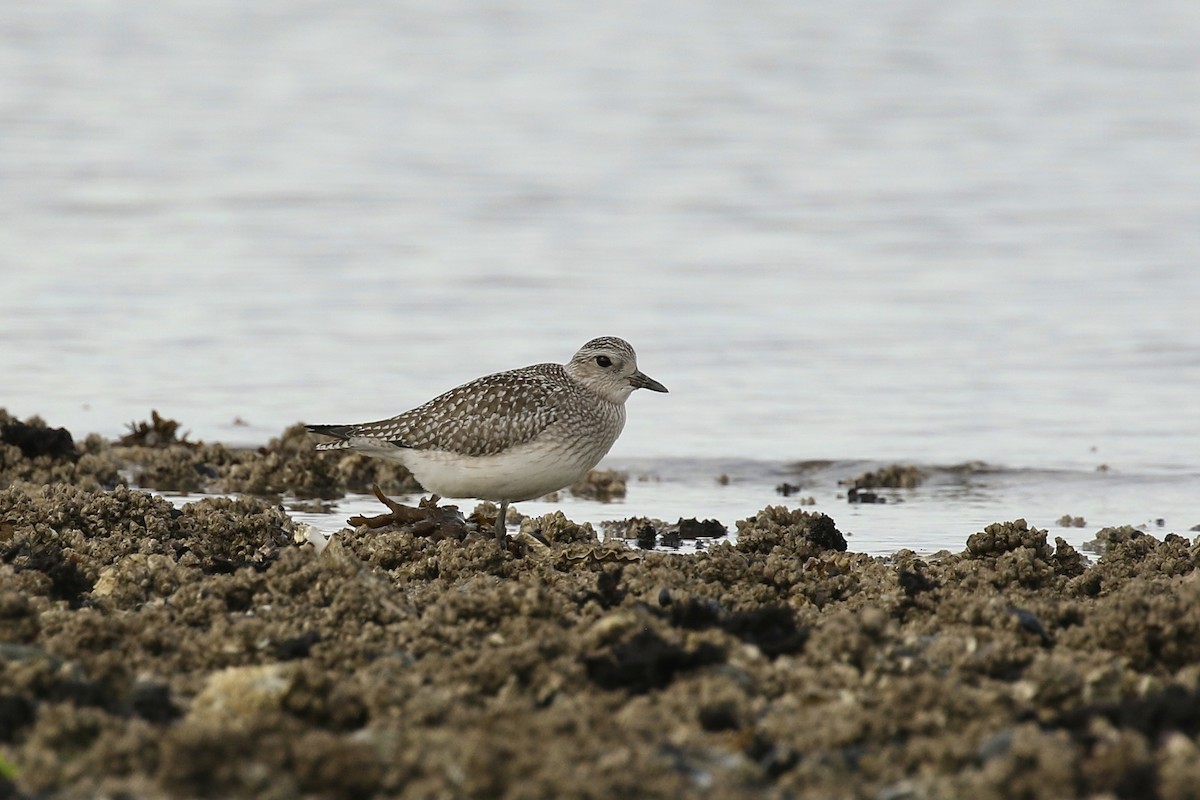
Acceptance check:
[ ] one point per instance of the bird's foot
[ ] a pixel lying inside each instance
(491, 522)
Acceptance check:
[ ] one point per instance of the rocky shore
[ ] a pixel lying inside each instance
(150, 651)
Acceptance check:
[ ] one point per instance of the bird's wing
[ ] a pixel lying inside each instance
(484, 417)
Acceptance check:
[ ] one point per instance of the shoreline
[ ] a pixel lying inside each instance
(200, 651)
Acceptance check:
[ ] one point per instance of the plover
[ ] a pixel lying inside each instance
(510, 436)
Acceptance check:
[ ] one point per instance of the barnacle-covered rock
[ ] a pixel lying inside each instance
(801, 533)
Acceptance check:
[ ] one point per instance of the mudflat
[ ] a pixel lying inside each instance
(150, 651)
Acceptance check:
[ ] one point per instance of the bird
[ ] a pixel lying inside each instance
(513, 435)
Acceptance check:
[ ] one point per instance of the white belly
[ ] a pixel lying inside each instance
(522, 473)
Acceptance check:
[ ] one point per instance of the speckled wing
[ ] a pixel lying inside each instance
(484, 417)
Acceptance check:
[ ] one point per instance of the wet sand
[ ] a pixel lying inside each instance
(149, 651)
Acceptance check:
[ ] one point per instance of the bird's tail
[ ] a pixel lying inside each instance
(341, 433)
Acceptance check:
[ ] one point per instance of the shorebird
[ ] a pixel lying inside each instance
(513, 435)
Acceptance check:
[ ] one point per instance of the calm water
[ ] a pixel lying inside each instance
(862, 232)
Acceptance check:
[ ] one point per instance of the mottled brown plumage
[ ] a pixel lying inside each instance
(483, 417)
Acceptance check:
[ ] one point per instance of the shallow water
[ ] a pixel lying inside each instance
(868, 231)
(951, 505)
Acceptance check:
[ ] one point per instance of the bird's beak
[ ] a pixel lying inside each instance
(640, 380)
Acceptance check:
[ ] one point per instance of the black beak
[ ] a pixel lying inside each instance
(640, 380)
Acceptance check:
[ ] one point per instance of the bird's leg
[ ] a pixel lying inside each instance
(501, 522)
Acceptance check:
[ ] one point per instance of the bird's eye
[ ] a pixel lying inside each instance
(604, 361)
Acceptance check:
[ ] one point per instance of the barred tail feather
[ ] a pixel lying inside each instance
(344, 444)
(340, 432)
(351, 438)
(336, 431)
